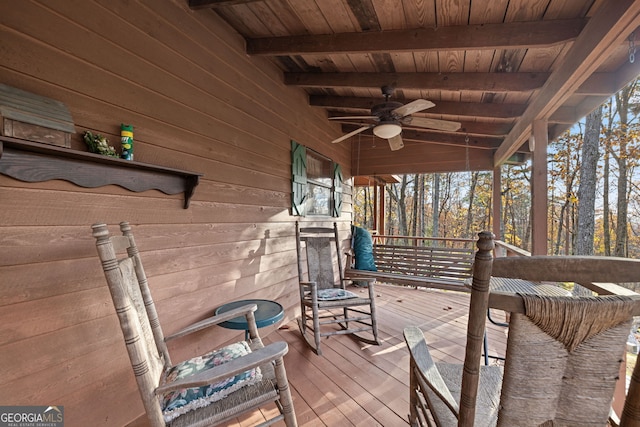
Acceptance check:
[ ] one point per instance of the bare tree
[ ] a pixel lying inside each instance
(472, 194)
(436, 205)
(587, 190)
(587, 187)
(622, 102)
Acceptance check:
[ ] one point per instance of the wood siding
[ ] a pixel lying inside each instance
(198, 103)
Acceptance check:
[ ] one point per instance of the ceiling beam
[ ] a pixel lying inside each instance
(611, 24)
(441, 138)
(626, 73)
(512, 35)
(467, 128)
(205, 4)
(491, 82)
(475, 109)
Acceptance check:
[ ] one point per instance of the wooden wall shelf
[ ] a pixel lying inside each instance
(36, 162)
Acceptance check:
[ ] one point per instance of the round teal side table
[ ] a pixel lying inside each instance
(268, 313)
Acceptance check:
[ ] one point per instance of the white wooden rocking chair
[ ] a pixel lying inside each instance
(563, 353)
(324, 300)
(203, 391)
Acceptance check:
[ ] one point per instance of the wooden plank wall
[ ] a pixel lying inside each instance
(197, 103)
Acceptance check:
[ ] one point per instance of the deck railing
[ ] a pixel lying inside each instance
(502, 249)
(444, 242)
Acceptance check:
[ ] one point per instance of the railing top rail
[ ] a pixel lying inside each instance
(442, 239)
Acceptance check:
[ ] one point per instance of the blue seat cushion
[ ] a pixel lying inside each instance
(334, 294)
(178, 402)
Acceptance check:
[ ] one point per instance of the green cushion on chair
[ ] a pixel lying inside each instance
(363, 249)
(179, 402)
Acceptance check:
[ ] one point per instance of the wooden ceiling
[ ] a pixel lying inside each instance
(495, 66)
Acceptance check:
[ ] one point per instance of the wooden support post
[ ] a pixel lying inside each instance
(496, 217)
(375, 205)
(381, 210)
(539, 225)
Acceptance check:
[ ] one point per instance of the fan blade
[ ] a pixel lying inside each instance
(433, 124)
(396, 143)
(413, 107)
(350, 134)
(354, 118)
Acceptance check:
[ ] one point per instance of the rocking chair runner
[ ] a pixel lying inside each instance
(203, 391)
(324, 301)
(563, 353)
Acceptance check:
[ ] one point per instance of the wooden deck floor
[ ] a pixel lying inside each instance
(361, 385)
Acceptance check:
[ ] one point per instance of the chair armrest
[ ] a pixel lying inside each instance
(312, 286)
(256, 358)
(350, 258)
(214, 320)
(428, 370)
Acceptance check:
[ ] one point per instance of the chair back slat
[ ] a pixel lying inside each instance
(320, 262)
(320, 247)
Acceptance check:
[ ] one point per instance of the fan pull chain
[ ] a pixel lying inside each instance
(466, 153)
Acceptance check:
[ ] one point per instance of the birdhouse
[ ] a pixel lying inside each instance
(31, 117)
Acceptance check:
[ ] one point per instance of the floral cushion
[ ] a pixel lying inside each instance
(178, 402)
(335, 294)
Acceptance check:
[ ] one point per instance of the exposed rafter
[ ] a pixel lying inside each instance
(204, 4)
(611, 26)
(431, 137)
(513, 35)
(482, 82)
(495, 76)
(474, 128)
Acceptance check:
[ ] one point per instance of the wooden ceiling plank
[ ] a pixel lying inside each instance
(459, 37)
(494, 82)
(610, 26)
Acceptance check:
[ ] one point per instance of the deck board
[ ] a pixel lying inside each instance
(355, 384)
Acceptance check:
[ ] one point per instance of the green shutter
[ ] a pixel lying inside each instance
(298, 178)
(337, 190)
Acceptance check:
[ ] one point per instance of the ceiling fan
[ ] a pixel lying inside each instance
(389, 117)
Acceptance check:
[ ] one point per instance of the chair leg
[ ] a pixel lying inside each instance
(374, 322)
(286, 402)
(345, 316)
(413, 401)
(316, 329)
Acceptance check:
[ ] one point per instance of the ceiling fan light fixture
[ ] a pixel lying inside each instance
(387, 130)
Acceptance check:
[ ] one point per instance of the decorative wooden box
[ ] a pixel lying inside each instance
(28, 116)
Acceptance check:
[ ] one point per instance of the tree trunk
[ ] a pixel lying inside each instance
(587, 188)
(472, 194)
(414, 223)
(436, 204)
(606, 228)
(622, 101)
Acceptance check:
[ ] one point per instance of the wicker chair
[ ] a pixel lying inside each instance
(202, 391)
(563, 353)
(324, 301)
